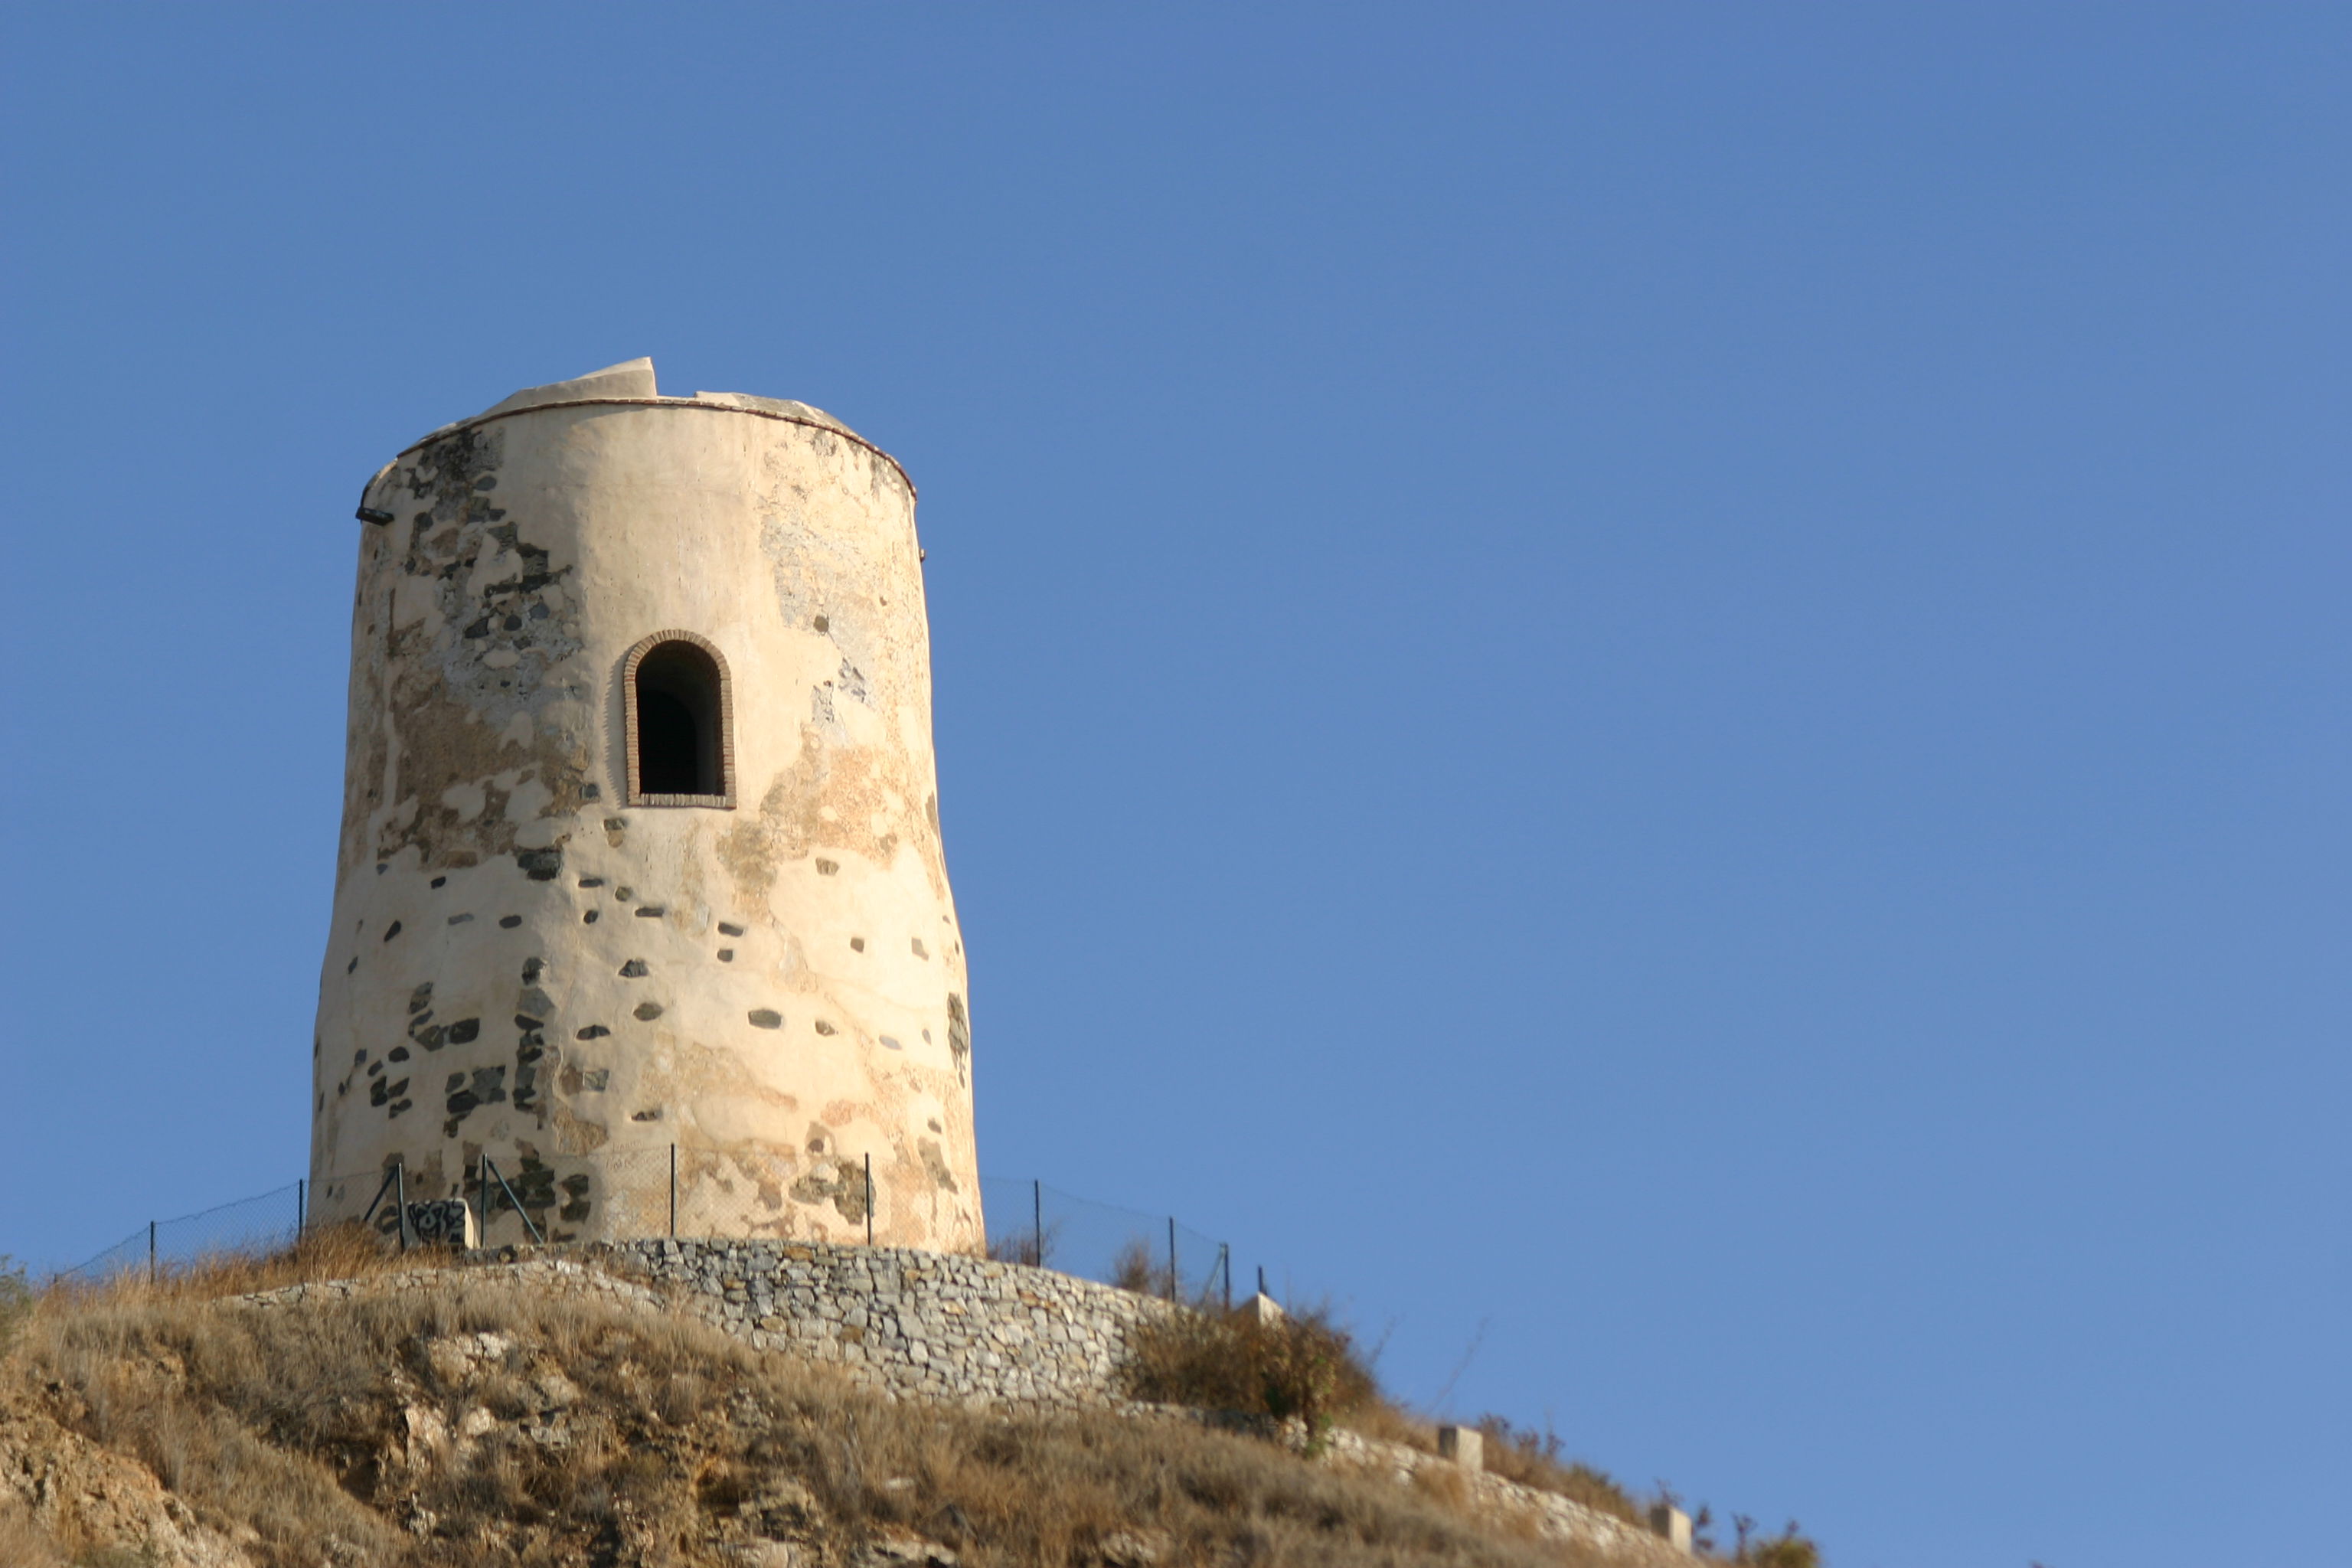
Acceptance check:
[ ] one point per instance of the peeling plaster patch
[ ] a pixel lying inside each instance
(959, 1039)
(466, 799)
(935, 1164)
(918, 945)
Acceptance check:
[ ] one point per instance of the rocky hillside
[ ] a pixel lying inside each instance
(489, 1422)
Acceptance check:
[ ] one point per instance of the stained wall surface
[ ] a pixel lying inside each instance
(526, 963)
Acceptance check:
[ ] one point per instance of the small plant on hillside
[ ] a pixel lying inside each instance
(15, 1299)
(1302, 1366)
(1533, 1458)
(1790, 1549)
(1029, 1246)
(1138, 1270)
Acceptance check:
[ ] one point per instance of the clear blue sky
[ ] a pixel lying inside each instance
(1669, 677)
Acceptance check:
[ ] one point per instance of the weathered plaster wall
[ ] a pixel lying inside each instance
(523, 964)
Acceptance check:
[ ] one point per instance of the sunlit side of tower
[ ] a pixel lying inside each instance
(640, 849)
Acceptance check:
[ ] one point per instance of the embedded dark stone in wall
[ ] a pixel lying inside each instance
(634, 970)
(463, 1030)
(729, 928)
(726, 955)
(460, 920)
(590, 918)
(593, 1032)
(648, 1011)
(826, 868)
(541, 865)
(392, 931)
(651, 911)
(420, 997)
(767, 1018)
(510, 921)
(825, 1029)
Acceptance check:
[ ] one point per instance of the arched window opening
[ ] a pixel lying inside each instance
(680, 740)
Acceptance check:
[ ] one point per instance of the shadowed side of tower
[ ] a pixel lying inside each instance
(640, 845)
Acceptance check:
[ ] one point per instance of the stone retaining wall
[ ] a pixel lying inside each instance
(929, 1325)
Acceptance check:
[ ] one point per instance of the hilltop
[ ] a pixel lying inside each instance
(239, 1418)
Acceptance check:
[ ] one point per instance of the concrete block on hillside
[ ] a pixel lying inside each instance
(1674, 1524)
(1465, 1446)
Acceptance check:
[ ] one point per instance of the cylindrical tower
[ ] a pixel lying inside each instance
(641, 847)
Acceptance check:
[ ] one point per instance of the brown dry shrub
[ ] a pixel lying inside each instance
(1533, 1458)
(24, 1544)
(1302, 1366)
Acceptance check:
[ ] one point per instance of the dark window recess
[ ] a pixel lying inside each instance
(679, 723)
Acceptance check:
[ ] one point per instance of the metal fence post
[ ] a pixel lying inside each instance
(150, 1252)
(1171, 1257)
(1225, 1268)
(399, 1196)
(870, 1200)
(673, 1192)
(1037, 1219)
(301, 1205)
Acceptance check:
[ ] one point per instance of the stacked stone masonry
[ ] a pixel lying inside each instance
(913, 1323)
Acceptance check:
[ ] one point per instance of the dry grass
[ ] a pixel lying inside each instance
(1307, 1366)
(378, 1430)
(1303, 1366)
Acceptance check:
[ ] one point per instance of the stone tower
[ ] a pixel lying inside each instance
(641, 841)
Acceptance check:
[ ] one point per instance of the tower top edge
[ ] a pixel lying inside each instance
(631, 385)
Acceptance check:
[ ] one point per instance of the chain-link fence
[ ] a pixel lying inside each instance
(260, 1223)
(668, 1190)
(1029, 1222)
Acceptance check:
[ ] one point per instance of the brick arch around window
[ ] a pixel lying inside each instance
(668, 679)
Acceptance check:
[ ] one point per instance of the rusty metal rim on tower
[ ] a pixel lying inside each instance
(666, 402)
